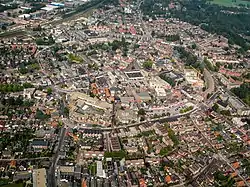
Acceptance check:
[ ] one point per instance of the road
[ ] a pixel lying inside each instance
(161, 120)
(55, 158)
(209, 82)
(22, 159)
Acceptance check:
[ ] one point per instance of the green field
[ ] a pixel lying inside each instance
(14, 185)
(229, 3)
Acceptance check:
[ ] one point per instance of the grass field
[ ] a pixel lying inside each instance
(14, 185)
(229, 3)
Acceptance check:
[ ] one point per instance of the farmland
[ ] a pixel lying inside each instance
(230, 3)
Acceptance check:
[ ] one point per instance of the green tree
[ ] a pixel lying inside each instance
(49, 91)
(141, 112)
(215, 107)
(230, 66)
(194, 46)
(148, 64)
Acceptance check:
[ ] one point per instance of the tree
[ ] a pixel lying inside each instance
(215, 107)
(230, 66)
(208, 64)
(172, 136)
(141, 112)
(49, 91)
(194, 46)
(4, 27)
(66, 111)
(223, 180)
(172, 38)
(243, 92)
(148, 64)
(225, 112)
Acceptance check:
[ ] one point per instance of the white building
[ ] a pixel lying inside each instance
(99, 169)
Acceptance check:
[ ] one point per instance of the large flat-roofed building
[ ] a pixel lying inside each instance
(82, 99)
(115, 143)
(99, 169)
(39, 178)
(241, 107)
(134, 75)
(193, 78)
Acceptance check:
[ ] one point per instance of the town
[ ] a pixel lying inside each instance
(95, 94)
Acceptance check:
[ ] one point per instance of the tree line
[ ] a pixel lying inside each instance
(6, 88)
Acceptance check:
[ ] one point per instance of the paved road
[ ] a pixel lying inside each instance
(21, 159)
(161, 120)
(51, 172)
(209, 82)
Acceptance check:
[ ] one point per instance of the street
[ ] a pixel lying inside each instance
(51, 172)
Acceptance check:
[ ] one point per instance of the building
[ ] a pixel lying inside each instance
(144, 96)
(126, 101)
(39, 144)
(99, 169)
(87, 100)
(240, 107)
(126, 116)
(115, 143)
(67, 170)
(134, 75)
(135, 163)
(229, 83)
(39, 178)
(193, 78)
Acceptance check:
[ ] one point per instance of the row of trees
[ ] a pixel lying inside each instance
(45, 41)
(7, 7)
(215, 19)
(189, 58)
(243, 92)
(5, 88)
(210, 17)
(19, 101)
(86, 6)
(173, 38)
(210, 66)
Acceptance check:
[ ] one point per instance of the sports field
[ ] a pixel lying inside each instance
(229, 3)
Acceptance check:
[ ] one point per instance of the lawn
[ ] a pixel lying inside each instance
(229, 3)
(14, 185)
(75, 58)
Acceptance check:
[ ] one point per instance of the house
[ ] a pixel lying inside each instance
(27, 93)
(167, 140)
(194, 169)
(135, 163)
(67, 170)
(6, 154)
